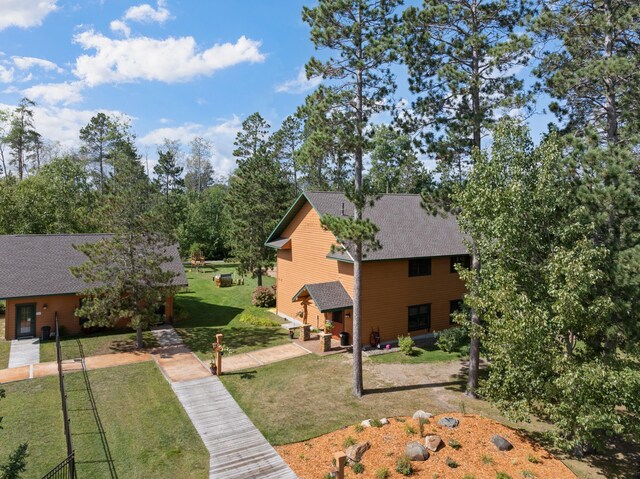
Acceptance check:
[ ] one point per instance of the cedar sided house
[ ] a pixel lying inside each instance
(409, 286)
(36, 282)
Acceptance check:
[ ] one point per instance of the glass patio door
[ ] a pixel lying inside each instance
(25, 320)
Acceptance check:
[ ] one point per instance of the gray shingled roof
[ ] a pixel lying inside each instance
(328, 296)
(38, 265)
(406, 229)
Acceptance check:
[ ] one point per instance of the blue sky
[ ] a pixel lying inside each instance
(176, 68)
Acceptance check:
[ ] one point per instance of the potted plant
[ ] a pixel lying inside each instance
(328, 326)
(212, 365)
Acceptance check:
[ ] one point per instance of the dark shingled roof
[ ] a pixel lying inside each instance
(406, 229)
(38, 265)
(328, 296)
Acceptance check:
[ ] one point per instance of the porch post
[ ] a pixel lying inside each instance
(219, 355)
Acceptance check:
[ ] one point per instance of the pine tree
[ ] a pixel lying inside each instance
(258, 197)
(594, 75)
(361, 33)
(126, 271)
(97, 138)
(287, 142)
(21, 135)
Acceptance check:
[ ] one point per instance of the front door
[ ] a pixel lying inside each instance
(25, 320)
(338, 322)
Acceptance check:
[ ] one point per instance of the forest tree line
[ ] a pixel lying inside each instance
(554, 228)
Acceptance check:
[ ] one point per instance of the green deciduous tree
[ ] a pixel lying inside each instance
(204, 223)
(199, 169)
(395, 167)
(561, 326)
(126, 271)
(591, 64)
(361, 35)
(258, 197)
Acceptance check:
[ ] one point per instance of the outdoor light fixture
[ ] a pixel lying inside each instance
(44, 307)
(347, 315)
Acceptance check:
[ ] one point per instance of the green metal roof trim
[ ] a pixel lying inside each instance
(284, 222)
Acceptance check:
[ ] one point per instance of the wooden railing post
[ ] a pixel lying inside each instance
(341, 460)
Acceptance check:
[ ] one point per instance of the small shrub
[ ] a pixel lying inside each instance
(376, 423)
(409, 430)
(533, 459)
(327, 476)
(454, 340)
(357, 467)
(451, 463)
(486, 459)
(454, 444)
(528, 475)
(382, 473)
(3, 307)
(403, 466)
(421, 422)
(401, 419)
(406, 344)
(503, 475)
(247, 318)
(264, 297)
(358, 428)
(349, 441)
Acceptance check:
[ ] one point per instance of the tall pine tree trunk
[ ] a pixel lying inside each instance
(474, 349)
(259, 274)
(611, 106)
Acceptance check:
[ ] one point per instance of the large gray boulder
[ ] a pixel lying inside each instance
(501, 443)
(449, 422)
(416, 451)
(354, 453)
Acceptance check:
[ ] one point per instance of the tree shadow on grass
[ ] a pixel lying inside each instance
(203, 314)
(199, 339)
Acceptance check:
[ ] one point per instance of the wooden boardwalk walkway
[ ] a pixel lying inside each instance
(237, 449)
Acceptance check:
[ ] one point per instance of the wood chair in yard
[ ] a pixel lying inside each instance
(197, 261)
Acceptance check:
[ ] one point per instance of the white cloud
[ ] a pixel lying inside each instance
(221, 134)
(300, 84)
(26, 63)
(24, 13)
(170, 60)
(164, 121)
(147, 14)
(120, 26)
(54, 93)
(6, 74)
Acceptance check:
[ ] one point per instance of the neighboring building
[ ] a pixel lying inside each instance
(37, 285)
(409, 286)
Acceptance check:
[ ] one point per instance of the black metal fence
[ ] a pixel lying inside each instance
(67, 468)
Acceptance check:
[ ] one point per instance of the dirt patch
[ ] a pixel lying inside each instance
(476, 456)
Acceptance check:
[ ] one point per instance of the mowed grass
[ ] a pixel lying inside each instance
(147, 432)
(430, 354)
(323, 399)
(5, 346)
(95, 344)
(212, 310)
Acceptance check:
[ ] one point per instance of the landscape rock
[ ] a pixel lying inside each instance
(433, 442)
(354, 453)
(501, 443)
(449, 422)
(416, 451)
(421, 414)
(384, 421)
(366, 423)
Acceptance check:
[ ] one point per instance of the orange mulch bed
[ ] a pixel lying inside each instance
(477, 457)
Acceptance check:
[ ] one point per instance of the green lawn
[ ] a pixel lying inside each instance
(5, 346)
(147, 432)
(212, 310)
(429, 354)
(94, 344)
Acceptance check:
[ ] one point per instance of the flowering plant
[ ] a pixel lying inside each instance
(221, 348)
(328, 326)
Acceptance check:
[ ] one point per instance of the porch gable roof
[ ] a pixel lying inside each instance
(328, 297)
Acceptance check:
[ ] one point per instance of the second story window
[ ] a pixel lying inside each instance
(463, 259)
(420, 267)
